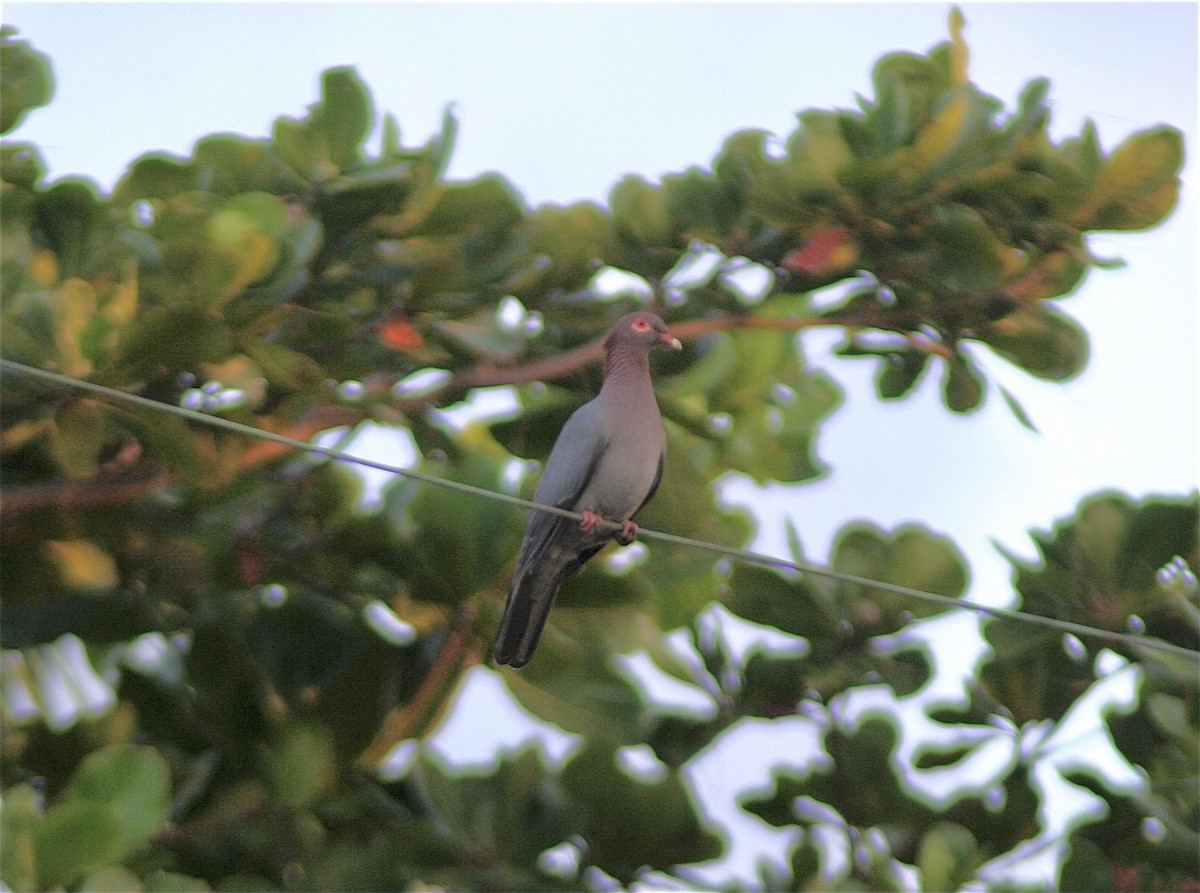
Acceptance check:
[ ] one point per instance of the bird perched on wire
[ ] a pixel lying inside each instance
(606, 464)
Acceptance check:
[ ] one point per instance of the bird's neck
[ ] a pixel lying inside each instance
(622, 367)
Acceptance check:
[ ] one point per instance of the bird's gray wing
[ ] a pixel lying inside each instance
(554, 548)
(569, 469)
(662, 458)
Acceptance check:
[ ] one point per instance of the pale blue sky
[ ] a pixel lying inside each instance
(564, 99)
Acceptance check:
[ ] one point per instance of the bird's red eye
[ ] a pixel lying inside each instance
(640, 325)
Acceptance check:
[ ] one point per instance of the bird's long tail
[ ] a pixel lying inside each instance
(525, 613)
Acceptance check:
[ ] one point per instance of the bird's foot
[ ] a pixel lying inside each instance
(591, 523)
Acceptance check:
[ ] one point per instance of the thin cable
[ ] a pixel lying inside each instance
(745, 555)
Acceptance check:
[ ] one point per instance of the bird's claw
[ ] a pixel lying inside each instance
(591, 523)
(628, 534)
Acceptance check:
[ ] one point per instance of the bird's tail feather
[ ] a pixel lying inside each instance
(525, 613)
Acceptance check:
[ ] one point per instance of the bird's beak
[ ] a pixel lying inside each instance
(667, 341)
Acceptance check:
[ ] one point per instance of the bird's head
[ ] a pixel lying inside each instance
(642, 330)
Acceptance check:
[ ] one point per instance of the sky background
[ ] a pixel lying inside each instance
(564, 99)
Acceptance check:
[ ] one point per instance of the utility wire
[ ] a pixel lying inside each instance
(758, 558)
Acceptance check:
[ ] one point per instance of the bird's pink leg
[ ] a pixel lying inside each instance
(591, 523)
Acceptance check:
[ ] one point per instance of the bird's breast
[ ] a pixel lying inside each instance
(628, 467)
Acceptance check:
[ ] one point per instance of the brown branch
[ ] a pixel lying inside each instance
(400, 723)
(69, 495)
(564, 364)
(928, 346)
(320, 419)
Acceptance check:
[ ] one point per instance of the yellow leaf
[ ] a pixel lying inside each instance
(17, 435)
(82, 564)
(122, 304)
(941, 134)
(959, 54)
(77, 437)
(252, 251)
(424, 617)
(43, 266)
(74, 306)
(1138, 185)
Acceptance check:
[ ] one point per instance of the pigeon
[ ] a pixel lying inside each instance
(606, 464)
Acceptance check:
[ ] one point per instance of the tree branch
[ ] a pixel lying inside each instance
(461, 649)
(563, 364)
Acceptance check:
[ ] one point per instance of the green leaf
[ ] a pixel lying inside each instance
(572, 237)
(282, 366)
(329, 140)
(937, 139)
(169, 439)
(571, 681)
(133, 783)
(301, 764)
(1018, 410)
(1171, 715)
(1043, 342)
(544, 411)
(1139, 184)
(75, 838)
(173, 882)
(229, 164)
(1033, 113)
(947, 857)
(488, 200)
(787, 602)
(683, 506)
(754, 405)
(909, 86)
(482, 335)
(302, 150)
(909, 556)
(21, 164)
(513, 812)
(640, 212)
(455, 543)
(247, 233)
(962, 386)
(968, 257)
(26, 79)
(77, 437)
(20, 813)
(1100, 564)
(818, 151)
(68, 213)
(154, 175)
(344, 115)
(441, 147)
(170, 339)
(112, 879)
(74, 305)
(1088, 869)
(631, 823)
(899, 373)
(743, 160)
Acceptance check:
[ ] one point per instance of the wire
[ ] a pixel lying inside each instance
(744, 555)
